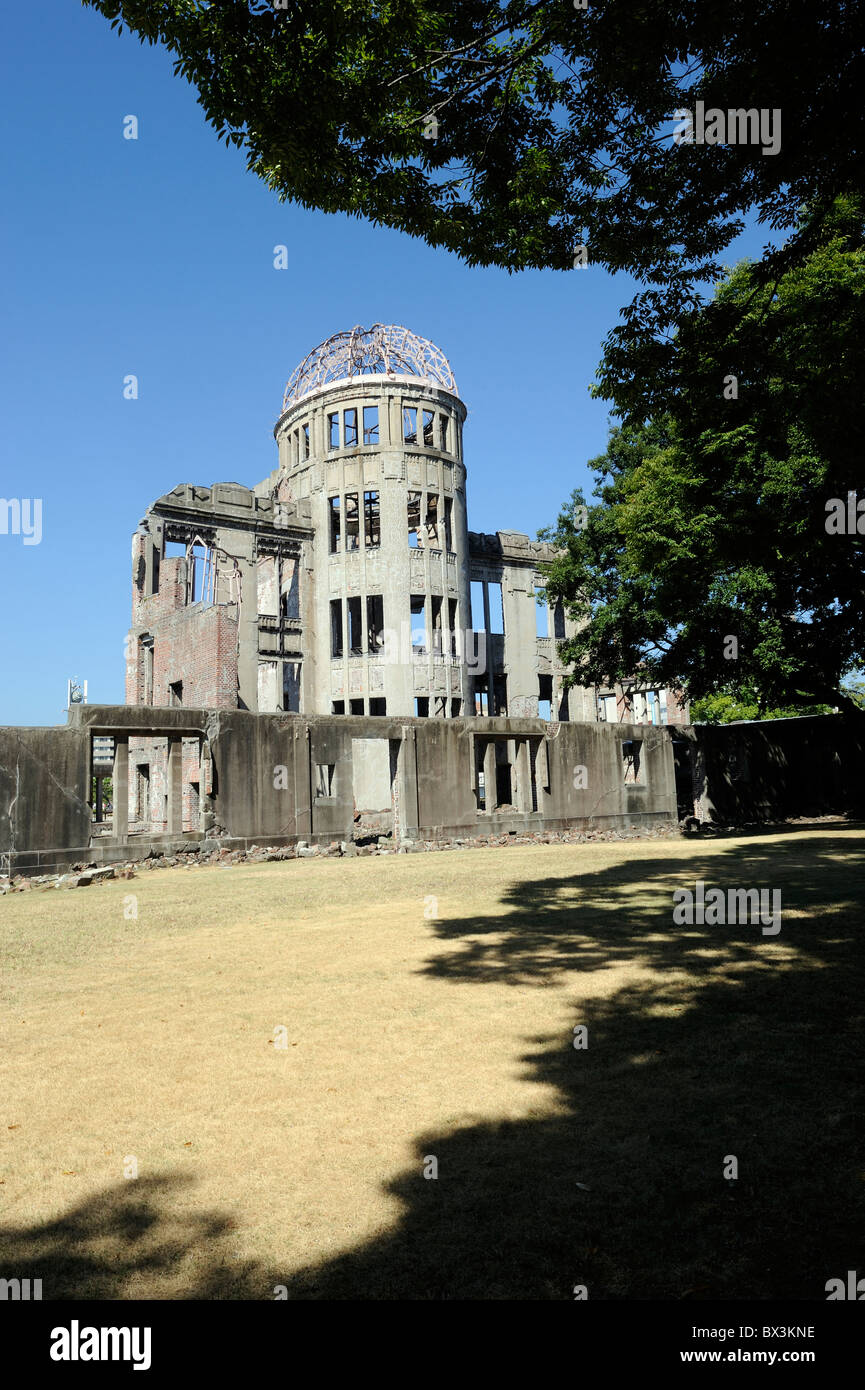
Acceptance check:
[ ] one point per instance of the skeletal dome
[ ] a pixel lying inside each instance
(386, 349)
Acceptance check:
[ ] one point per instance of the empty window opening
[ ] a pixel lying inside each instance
(437, 634)
(154, 573)
(449, 509)
(504, 795)
(452, 626)
(335, 524)
(336, 627)
(175, 693)
(545, 697)
(428, 427)
(355, 631)
(500, 695)
(607, 709)
(142, 794)
(333, 430)
(305, 432)
(432, 518)
(414, 519)
(559, 621)
(480, 786)
(175, 550)
(378, 706)
(338, 707)
(370, 424)
(199, 572)
(289, 588)
(418, 624)
(477, 597)
(421, 706)
(291, 687)
(374, 622)
(371, 519)
(349, 428)
(496, 609)
(542, 615)
(456, 707)
(324, 779)
(443, 421)
(632, 761)
(352, 522)
(355, 706)
(145, 656)
(440, 707)
(482, 696)
(409, 424)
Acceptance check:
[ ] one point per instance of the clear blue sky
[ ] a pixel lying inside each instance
(155, 257)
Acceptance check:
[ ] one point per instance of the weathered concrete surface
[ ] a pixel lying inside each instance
(44, 776)
(778, 768)
(279, 778)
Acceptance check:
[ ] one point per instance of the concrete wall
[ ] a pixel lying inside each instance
(44, 788)
(277, 778)
(778, 768)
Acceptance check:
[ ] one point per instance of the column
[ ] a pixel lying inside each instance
(120, 814)
(175, 785)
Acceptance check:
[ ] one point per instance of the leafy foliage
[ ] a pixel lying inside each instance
(512, 131)
(710, 522)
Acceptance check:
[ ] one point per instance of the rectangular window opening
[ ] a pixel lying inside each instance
(352, 522)
(335, 524)
(409, 424)
(305, 429)
(449, 510)
(324, 779)
(632, 761)
(414, 519)
(418, 624)
(370, 424)
(432, 518)
(355, 706)
(428, 429)
(349, 431)
(443, 421)
(355, 631)
(175, 693)
(337, 707)
(374, 622)
(421, 706)
(333, 430)
(378, 706)
(497, 612)
(371, 519)
(336, 627)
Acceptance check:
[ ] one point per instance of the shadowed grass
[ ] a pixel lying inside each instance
(450, 1037)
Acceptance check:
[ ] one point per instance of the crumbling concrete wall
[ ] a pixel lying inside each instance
(44, 788)
(778, 768)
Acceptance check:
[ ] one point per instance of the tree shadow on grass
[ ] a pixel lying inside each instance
(130, 1241)
(727, 1044)
(710, 1043)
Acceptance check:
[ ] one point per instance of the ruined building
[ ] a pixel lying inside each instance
(348, 581)
(332, 654)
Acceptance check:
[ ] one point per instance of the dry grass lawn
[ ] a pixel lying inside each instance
(428, 1003)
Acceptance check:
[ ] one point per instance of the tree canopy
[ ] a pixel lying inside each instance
(513, 131)
(725, 552)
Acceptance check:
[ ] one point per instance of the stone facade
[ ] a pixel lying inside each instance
(348, 582)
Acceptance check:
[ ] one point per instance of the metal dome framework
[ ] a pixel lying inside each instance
(383, 350)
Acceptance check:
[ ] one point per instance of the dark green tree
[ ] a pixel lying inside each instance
(710, 558)
(514, 131)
